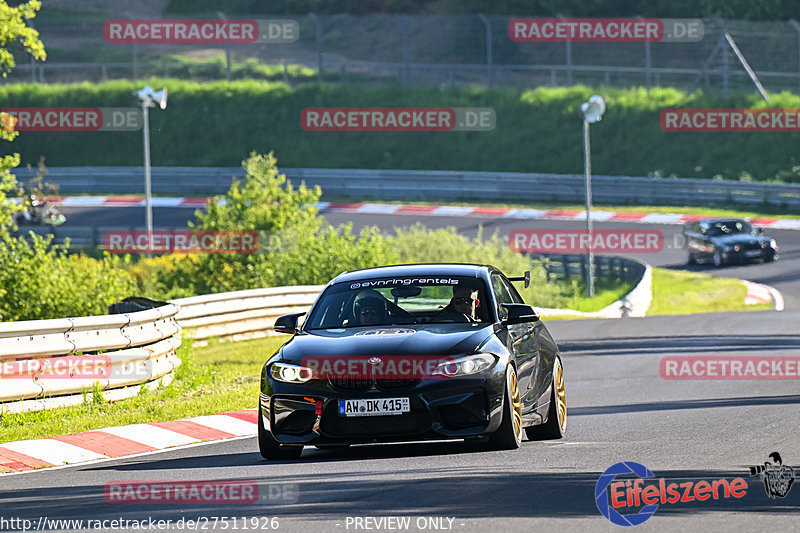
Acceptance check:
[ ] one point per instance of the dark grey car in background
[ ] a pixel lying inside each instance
(724, 241)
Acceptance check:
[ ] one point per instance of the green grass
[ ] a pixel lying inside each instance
(213, 379)
(678, 292)
(606, 292)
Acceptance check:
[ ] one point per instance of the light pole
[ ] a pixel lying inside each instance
(592, 112)
(149, 98)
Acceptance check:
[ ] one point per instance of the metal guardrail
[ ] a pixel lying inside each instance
(138, 348)
(568, 266)
(83, 237)
(436, 185)
(634, 304)
(242, 315)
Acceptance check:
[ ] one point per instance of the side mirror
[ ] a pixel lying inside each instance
(519, 314)
(287, 323)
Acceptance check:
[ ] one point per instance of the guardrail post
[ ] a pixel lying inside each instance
(32, 60)
(568, 59)
(489, 74)
(406, 49)
(725, 71)
(796, 27)
(318, 25)
(648, 64)
(222, 16)
(135, 65)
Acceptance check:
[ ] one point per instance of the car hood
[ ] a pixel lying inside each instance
(738, 238)
(425, 339)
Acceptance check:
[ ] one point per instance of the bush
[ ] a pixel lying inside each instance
(39, 281)
(295, 247)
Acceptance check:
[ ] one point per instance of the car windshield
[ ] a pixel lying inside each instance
(730, 227)
(401, 301)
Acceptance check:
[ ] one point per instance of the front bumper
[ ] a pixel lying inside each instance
(455, 408)
(747, 255)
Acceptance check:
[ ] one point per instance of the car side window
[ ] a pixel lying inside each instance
(502, 295)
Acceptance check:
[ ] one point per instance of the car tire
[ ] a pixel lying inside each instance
(271, 449)
(556, 425)
(509, 435)
(717, 258)
(689, 259)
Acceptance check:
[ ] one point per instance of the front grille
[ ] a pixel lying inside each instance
(334, 424)
(346, 383)
(395, 384)
(350, 384)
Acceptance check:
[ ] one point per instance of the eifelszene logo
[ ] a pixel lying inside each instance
(777, 477)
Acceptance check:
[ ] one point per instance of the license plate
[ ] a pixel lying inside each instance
(752, 253)
(374, 407)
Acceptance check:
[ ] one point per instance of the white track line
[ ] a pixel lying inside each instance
(228, 424)
(150, 435)
(52, 451)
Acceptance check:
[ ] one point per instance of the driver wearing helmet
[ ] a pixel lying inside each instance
(370, 309)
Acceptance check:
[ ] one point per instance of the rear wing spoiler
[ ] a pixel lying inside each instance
(526, 278)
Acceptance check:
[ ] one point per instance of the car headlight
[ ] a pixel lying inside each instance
(463, 366)
(290, 373)
(773, 244)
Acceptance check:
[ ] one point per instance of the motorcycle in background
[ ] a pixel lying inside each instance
(40, 212)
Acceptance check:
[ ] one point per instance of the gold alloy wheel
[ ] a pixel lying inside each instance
(516, 404)
(561, 397)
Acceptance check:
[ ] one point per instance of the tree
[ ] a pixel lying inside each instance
(14, 31)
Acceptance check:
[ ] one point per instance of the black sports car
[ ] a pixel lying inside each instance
(409, 353)
(722, 241)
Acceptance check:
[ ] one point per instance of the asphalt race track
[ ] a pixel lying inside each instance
(620, 409)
